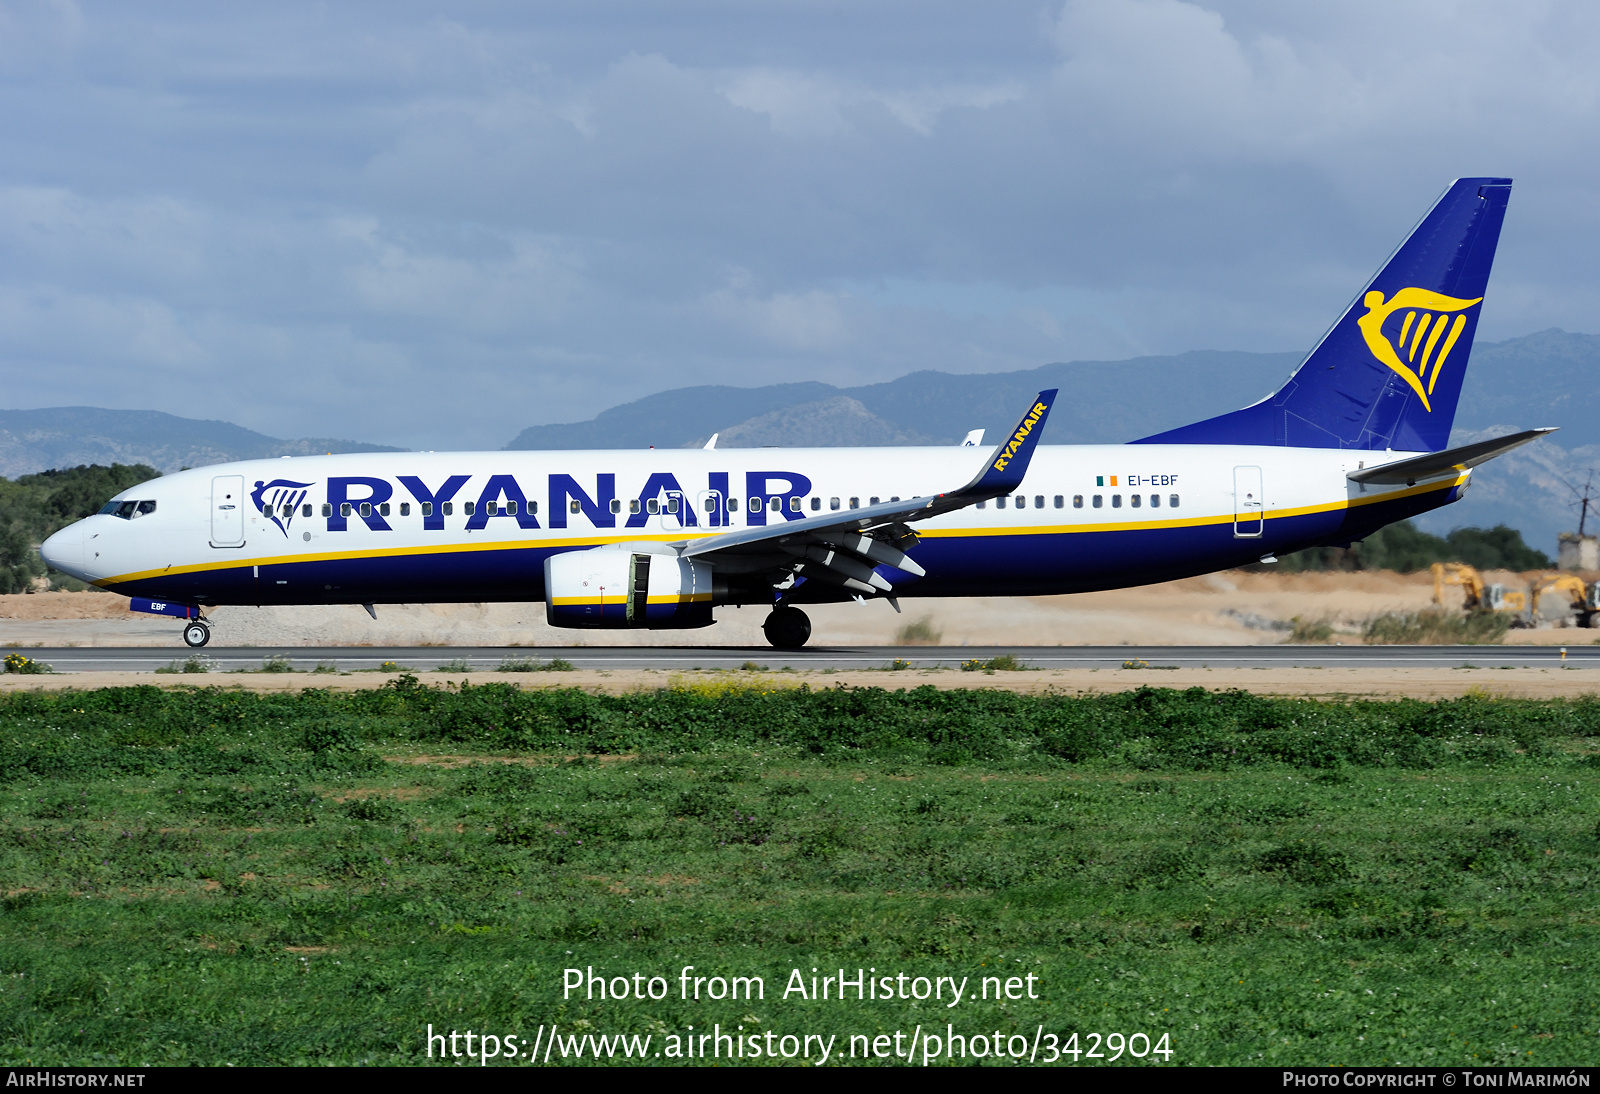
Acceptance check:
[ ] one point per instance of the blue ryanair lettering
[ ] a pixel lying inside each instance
(434, 521)
(502, 486)
(758, 484)
(662, 482)
(598, 509)
(378, 491)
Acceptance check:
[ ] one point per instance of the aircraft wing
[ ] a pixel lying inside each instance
(842, 548)
(1408, 471)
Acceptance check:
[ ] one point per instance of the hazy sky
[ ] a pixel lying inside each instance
(433, 225)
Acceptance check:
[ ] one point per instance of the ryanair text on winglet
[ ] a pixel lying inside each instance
(1019, 436)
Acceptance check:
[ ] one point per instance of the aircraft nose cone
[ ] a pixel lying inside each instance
(64, 550)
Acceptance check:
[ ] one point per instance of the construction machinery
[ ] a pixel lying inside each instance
(1477, 596)
(1563, 597)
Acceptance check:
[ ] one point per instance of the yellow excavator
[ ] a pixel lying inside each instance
(1575, 601)
(1478, 597)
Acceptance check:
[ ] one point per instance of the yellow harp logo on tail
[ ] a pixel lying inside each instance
(1422, 332)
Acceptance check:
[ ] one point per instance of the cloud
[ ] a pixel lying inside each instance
(438, 229)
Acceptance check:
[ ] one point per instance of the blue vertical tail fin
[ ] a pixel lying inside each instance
(1388, 373)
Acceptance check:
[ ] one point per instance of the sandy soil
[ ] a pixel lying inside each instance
(1231, 608)
(1378, 683)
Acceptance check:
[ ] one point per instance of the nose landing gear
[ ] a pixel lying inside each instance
(787, 628)
(196, 633)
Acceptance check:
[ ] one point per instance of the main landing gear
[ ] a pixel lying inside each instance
(787, 628)
(196, 633)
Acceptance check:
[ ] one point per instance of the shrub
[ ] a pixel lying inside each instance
(1432, 627)
(920, 632)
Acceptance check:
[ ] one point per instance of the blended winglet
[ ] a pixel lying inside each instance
(1008, 464)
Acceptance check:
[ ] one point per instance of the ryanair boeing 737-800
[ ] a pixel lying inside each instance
(1354, 440)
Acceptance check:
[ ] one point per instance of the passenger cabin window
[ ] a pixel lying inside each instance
(573, 506)
(1172, 501)
(1038, 501)
(816, 504)
(895, 498)
(633, 506)
(983, 505)
(427, 508)
(833, 503)
(344, 509)
(383, 509)
(511, 508)
(1077, 501)
(1116, 501)
(616, 505)
(855, 503)
(467, 507)
(366, 508)
(449, 507)
(1099, 501)
(872, 501)
(775, 504)
(672, 507)
(1155, 501)
(1000, 502)
(327, 509)
(733, 505)
(305, 510)
(405, 509)
(492, 508)
(794, 505)
(1061, 502)
(1136, 500)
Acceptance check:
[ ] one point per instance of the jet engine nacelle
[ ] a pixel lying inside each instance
(628, 585)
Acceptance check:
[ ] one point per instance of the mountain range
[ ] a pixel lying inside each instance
(66, 436)
(1548, 378)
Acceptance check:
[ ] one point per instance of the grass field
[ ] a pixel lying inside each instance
(221, 877)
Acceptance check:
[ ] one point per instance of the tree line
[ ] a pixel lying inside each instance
(34, 506)
(1406, 548)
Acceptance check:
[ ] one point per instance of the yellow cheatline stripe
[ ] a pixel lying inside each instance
(568, 601)
(600, 541)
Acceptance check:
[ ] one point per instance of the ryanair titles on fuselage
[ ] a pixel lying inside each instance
(372, 500)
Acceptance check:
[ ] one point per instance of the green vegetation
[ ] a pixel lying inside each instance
(215, 876)
(1305, 631)
(1406, 548)
(33, 506)
(1005, 662)
(1432, 627)
(22, 663)
(195, 662)
(919, 632)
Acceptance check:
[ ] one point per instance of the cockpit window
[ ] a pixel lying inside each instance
(128, 510)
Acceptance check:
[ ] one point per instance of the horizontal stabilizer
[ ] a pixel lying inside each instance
(1451, 459)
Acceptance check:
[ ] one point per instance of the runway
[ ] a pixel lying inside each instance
(822, 658)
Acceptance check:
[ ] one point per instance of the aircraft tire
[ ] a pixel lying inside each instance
(787, 628)
(196, 634)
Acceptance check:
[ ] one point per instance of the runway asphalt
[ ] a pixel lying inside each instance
(615, 658)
